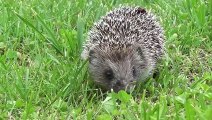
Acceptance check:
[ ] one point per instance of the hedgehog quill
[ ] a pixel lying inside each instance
(123, 48)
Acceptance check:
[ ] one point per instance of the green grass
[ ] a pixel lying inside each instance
(43, 77)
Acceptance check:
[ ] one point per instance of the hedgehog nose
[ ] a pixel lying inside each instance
(119, 83)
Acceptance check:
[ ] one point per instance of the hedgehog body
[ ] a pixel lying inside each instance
(124, 47)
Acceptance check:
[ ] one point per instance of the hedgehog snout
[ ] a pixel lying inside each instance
(120, 83)
(120, 86)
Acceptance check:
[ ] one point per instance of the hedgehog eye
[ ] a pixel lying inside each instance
(109, 74)
(134, 71)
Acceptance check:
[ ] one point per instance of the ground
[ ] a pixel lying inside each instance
(43, 77)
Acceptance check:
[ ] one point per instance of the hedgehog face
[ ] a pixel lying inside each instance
(117, 70)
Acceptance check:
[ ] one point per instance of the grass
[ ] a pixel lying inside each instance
(43, 77)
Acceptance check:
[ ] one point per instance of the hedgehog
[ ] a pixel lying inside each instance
(123, 48)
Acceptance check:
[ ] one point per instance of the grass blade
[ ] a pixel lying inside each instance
(53, 43)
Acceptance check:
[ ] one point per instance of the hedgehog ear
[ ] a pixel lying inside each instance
(140, 52)
(91, 55)
(88, 54)
(91, 52)
(140, 10)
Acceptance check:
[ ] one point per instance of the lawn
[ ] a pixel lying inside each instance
(43, 77)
